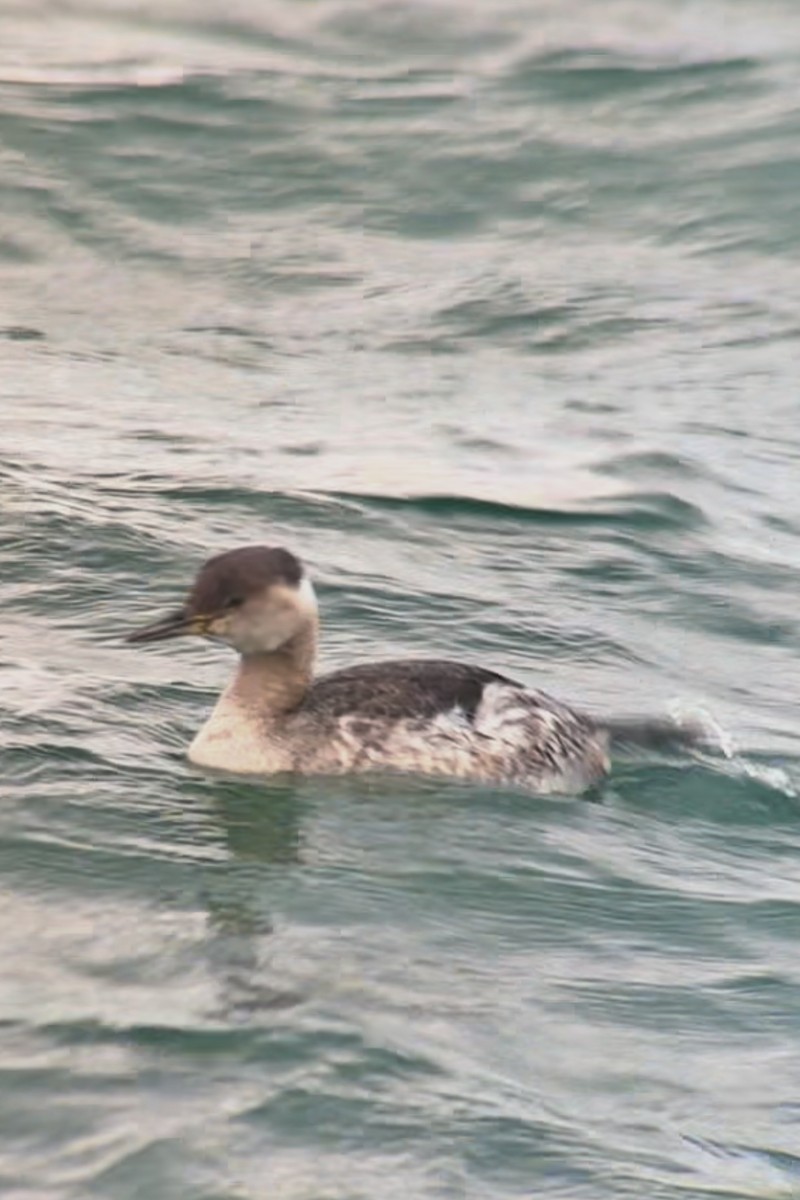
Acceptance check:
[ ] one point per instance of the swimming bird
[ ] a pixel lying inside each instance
(425, 716)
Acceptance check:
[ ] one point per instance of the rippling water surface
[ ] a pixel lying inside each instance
(490, 311)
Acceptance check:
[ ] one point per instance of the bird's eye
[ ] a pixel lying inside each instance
(234, 602)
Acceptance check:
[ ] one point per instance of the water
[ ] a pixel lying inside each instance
(490, 312)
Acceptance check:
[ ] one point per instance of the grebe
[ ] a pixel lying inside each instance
(427, 716)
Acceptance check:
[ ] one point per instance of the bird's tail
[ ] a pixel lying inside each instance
(659, 734)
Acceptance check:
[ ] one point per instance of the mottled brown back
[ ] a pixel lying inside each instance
(399, 690)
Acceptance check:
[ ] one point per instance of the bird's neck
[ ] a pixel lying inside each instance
(274, 683)
(245, 731)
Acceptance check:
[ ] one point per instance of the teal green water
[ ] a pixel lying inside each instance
(490, 311)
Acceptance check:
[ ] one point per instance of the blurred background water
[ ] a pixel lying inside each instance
(490, 311)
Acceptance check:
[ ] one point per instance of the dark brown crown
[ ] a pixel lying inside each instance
(231, 578)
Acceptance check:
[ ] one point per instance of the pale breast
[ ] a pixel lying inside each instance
(236, 741)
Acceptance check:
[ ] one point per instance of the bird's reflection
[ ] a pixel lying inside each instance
(261, 827)
(261, 823)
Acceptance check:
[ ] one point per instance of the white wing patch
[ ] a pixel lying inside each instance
(452, 720)
(505, 713)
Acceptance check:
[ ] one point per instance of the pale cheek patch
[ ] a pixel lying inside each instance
(306, 598)
(267, 622)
